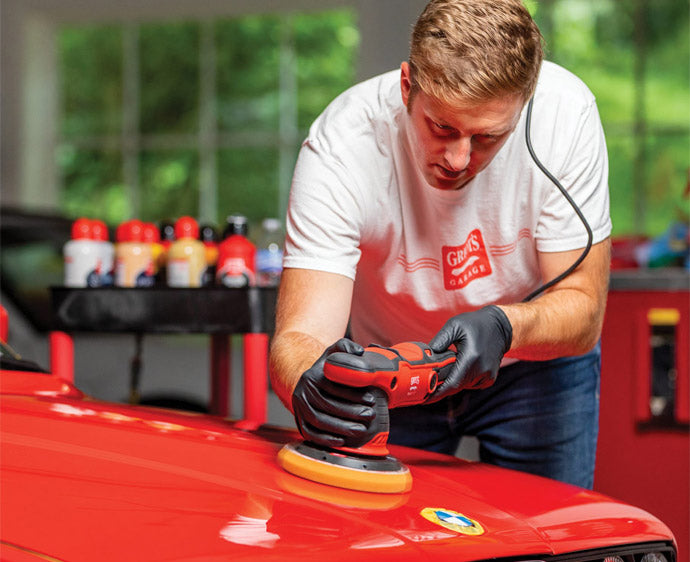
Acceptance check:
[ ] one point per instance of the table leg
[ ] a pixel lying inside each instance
(255, 380)
(220, 374)
(62, 356)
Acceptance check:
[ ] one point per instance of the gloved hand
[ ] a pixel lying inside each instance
(481, 338)
(332, 414)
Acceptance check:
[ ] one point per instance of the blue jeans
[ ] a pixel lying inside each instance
(540, 417)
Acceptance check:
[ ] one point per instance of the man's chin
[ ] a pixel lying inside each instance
(444, 184)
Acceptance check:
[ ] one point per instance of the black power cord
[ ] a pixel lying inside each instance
(577, 210)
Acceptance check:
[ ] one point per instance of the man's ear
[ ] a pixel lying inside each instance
(405, 82)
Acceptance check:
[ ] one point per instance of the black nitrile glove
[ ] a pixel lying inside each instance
(332, 414)
(481, 338)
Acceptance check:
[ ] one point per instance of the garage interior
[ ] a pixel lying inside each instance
(64, 155)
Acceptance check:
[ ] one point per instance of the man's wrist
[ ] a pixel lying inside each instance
(504, 324)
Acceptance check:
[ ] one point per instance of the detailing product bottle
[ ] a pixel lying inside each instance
(133, 260)
(167, 237)
(82, 256)
(209, 237)
(186, 257)
(151, 236)
(99, 232)
(269, 256)
(236, 255)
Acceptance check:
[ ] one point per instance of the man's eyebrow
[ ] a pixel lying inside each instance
(496, 132)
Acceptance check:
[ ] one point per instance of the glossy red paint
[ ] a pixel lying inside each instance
(89, 480)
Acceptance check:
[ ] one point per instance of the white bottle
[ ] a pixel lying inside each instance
(99, 233)
(269, 255)
(82, 256)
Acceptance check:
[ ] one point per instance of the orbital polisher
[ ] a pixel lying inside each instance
(402, 375)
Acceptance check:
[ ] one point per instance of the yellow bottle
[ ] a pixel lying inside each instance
(186, 261)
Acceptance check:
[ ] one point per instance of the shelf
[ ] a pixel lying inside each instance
(662, 279)
(164, 310)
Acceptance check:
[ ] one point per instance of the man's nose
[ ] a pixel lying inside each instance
(458, 153)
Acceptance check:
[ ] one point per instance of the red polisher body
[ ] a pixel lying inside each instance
(407, 373)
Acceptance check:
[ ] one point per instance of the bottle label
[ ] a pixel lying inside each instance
(234, 272)
(134, 269)
(180, 274)
(269, 266)
(84, 276)
(83, 266)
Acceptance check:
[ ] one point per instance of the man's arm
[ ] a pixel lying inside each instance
(567, 318)
(312, 312)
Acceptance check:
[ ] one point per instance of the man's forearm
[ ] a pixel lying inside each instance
(292, 353)
(567, 319)
(561, 323)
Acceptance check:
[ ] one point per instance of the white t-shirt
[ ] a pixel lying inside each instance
(360, 207)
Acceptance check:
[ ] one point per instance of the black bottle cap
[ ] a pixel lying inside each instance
(236, 224)
(167, 230)
(208, 233)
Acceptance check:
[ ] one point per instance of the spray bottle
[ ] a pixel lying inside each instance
(236, 255)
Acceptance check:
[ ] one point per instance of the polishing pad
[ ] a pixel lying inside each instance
(384, 475)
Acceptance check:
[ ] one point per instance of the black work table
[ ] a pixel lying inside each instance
(217, 311)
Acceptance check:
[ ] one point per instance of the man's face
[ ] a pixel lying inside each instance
(453, 143)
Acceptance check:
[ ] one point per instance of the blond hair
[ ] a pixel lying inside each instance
(475, 50)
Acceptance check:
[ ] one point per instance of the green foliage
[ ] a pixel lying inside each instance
(171, 184)
(247, 185)
(326, 47)
(93, 184)
(169, 78)
(596, 39)
(248, 53)
(599, 40)
(90, 60)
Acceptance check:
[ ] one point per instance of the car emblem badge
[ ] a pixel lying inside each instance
(452, 520)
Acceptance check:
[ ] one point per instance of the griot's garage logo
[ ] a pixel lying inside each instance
(465, 263)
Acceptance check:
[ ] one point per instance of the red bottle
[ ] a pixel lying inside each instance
(236, 255)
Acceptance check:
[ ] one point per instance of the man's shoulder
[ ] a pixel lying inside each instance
(362, 108)
(558, 82)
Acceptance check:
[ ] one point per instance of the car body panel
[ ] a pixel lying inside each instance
(82, 476)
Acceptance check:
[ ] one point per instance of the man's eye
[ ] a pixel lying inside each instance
(486, 139)
(442, 128)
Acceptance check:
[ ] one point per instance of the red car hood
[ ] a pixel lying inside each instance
(89, 480)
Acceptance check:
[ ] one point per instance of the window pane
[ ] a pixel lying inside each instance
(90, 66)
(326, 47)
(627, 51)
(169, 184)
(666, 182)
(621, 155)
(92, 184)
(248, 54)
(248, 180)
(169, 66)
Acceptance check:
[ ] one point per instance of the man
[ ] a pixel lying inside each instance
(417, 214)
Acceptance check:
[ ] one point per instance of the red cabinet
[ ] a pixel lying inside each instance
(643, 455)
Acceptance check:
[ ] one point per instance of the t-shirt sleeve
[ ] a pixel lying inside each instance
(324, 215)
(584, 175)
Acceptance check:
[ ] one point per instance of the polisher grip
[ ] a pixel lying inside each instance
(407, 372)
